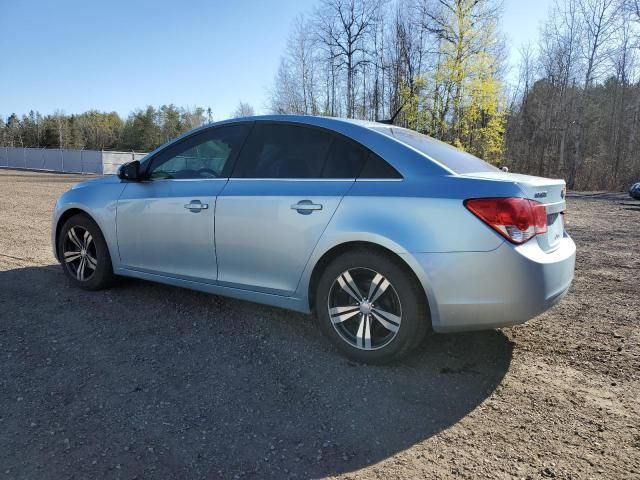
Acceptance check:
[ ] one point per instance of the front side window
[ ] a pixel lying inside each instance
(202, 156)
(283, 151)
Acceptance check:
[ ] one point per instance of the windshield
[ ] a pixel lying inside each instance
(456, 160)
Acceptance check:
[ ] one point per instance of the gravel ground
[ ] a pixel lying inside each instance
(150, 381)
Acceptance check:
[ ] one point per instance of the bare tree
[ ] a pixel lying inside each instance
(598, 25)
(599, 21)
(344, 29)
(527, 68)
(296, 84)
(243, 110)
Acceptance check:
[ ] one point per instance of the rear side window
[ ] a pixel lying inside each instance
(376, 167)
(283, 151)
(452, 158)
(345, 159)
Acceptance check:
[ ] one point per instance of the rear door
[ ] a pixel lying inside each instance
(165, 223)
(285, 188)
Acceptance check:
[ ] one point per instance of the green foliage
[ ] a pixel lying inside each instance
(460, 98)
(471, 114)
(415, 115)
(481, 123)
(142, 130)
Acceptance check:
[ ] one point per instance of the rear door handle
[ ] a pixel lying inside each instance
(196, 206)
(306, 207)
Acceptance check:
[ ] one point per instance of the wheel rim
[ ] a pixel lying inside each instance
(364, 309)
(79, 253)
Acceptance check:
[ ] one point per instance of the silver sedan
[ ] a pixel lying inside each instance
(383, 233)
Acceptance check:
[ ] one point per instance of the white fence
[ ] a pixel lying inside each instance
(112, 160)
(65, 160)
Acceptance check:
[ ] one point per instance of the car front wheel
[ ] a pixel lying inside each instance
(83, 253)
(371, 307)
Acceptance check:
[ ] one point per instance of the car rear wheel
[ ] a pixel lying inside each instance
(371, 307)
(83, 253)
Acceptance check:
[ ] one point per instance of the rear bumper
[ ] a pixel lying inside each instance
(506, 286)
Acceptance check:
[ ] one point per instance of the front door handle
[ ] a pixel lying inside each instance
(196, 206)
(306, 207)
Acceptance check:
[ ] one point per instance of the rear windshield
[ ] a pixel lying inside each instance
(452, 158)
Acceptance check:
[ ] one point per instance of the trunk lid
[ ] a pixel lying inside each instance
(550, 192)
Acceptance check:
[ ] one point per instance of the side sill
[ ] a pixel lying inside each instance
(289, 303)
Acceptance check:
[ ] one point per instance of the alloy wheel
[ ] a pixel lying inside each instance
(79, 252)
(364, 308)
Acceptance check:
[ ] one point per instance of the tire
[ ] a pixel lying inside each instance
(398, 317)
(81, 241)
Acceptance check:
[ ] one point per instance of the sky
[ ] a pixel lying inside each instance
(73, 55)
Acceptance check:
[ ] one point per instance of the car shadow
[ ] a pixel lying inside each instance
(158, 382)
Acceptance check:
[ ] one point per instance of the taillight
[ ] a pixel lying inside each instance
(516, 219)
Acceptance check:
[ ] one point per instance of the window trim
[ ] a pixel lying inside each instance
(381, 179)
(214, 179)
(309, 179)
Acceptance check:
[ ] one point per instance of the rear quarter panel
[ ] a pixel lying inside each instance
(421, 214)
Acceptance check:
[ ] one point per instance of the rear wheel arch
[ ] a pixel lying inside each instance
(345, 247)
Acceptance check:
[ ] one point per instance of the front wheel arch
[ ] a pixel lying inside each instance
(89, 250)
(66, 215)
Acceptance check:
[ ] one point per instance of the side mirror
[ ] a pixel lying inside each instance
(130, 171)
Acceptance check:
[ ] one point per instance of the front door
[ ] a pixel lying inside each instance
(165, 223)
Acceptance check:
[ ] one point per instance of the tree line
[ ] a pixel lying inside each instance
(143, 130)
(571, 108)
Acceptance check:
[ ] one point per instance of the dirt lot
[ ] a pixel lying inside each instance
(149, 381)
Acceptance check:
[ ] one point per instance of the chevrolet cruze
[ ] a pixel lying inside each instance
(383, 233)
